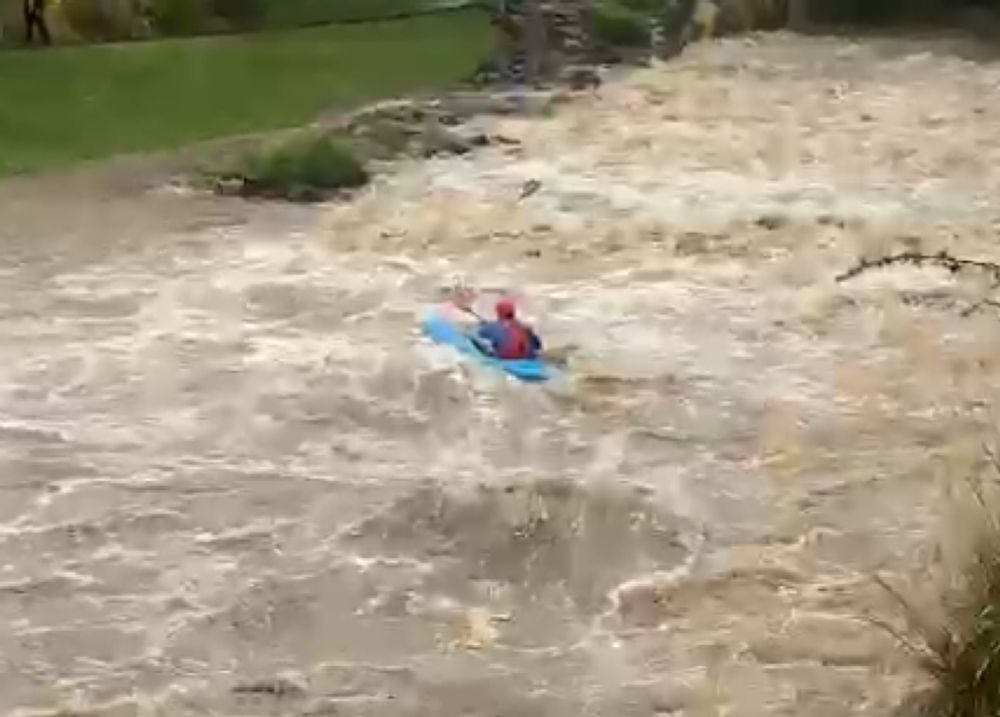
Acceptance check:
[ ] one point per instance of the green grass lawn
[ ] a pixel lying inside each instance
(63, 105)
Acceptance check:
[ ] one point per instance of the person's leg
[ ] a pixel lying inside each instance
(43, 25)
(29, 25)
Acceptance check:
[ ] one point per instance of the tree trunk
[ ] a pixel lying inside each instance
(678, 21)
(534, 40)
(798, 15)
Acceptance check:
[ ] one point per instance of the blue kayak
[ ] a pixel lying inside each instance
(444, 331)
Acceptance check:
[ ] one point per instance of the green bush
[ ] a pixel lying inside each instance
(180, 17)
(303, 169)
(241, 14)
(615, 24)
(650, 8)
(297, 13)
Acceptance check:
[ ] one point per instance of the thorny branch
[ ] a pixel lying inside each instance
(982, 302)
(942, 259)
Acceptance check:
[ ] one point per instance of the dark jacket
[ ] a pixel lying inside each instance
(509, 339)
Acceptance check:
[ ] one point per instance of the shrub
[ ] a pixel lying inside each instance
(615, 24)
(241, 14)
(303, 169)
(179, 17)
(651, 8)
(298, 13)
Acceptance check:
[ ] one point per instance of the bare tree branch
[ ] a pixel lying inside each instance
(992, 303)
(942, 259)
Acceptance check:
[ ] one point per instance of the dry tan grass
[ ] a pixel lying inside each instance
(956, 639)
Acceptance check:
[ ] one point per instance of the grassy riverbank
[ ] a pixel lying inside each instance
(64, 105)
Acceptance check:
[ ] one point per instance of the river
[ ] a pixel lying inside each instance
(237, 480)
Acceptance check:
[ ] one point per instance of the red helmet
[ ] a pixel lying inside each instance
(505, 309)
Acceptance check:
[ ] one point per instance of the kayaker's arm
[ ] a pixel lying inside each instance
(481, 338)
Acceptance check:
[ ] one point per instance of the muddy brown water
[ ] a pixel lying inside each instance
(236, 480)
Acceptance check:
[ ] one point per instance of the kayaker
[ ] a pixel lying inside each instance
(507, 337)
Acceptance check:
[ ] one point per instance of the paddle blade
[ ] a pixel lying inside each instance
(463, 297)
